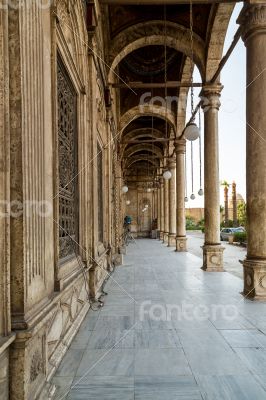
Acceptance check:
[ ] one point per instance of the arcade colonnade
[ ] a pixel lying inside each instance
(73, 133)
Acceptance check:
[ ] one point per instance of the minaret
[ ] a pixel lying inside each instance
(234, 201)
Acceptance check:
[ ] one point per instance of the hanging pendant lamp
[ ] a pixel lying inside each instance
(167, 175)
(191, 131)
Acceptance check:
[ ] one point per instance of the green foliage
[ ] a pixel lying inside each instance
(225, 184)
(242, 214)
(192, 225)
(240, 237)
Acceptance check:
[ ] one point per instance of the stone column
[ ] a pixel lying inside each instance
(253, 21)
(172, 204)
(158, 194)
(181, 239)
(212, 249)
(166, 211)
(118, 256)
(162, 208)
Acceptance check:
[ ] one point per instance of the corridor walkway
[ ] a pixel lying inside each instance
(168, 331)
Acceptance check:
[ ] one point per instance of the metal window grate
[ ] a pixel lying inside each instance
(68, 166)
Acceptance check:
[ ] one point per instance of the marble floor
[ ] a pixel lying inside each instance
(168, 331)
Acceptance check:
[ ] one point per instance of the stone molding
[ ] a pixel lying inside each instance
(252, 20)
(210, 96)
(180, 146)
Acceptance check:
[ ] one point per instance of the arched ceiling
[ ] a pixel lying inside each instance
(139, 38)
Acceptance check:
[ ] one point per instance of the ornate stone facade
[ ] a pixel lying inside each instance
(62, 207)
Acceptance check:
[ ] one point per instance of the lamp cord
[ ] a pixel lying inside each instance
(192, 57)
(192, 169)
(200, 151)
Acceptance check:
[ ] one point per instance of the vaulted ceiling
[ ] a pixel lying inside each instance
(141, 38)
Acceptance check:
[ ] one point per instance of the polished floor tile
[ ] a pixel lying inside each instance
(115, 362)
(103, 388)
(244, 338)
(166, 388)
(156, 339)
(166, 333)
(170, 362)
(233, 387)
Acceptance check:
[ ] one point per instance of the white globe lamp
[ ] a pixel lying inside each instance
(167, 175)
(191, 132)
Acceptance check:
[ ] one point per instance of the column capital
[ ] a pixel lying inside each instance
(252, 18)
(180, 146)
(172, 163)
(210, 96)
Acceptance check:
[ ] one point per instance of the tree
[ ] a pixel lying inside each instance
(226, 186)
(242, 214)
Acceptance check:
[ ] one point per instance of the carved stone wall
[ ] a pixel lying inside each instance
(49, 300)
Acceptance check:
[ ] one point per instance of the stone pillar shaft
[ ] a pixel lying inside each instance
(172, 205)
(162, 208)
(166, 211)
(181, 240)
(158, 209)
(212, 250)
(253, 21)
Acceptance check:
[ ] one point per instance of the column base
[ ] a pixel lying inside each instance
(165, 237)
(213, 258)
(181, 243)
(254, 279)
(161, 235)
(171, 240)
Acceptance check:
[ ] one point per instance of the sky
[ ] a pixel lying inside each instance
(232, 117)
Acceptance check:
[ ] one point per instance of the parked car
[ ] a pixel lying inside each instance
(226, 232)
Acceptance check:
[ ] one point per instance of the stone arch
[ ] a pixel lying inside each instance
(135, 159)
(145, 147)
(147, 110)
(217, 38)
(140, 133)
(152, 33)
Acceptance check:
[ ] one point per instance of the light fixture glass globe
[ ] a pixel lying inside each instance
(167, 175)
(146, 206)
(128, 202)
(186, 199)
(149, 190)
(191, 132)
(125, 189)
(192, 196)
(200, 192)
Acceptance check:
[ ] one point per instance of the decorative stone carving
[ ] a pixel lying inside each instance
(255, 279)
(252, 20)
(36, 366)
(181, 244)
(213, 258)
